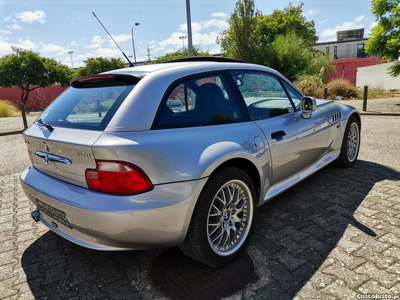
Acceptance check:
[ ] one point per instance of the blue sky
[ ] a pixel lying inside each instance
(53, 27)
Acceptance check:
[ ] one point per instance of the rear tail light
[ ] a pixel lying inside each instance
(117, 177)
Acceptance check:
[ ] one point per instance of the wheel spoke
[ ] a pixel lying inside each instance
(215, 229)
(227, 223)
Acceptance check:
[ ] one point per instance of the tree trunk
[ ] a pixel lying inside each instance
(25, 94)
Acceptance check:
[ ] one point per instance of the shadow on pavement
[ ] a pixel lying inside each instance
(295, 232)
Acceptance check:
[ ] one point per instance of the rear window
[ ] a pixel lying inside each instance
(87, 106)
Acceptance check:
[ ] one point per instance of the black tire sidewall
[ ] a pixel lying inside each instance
(343, 151)
(202, 209)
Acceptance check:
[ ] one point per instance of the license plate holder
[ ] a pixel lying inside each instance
(53, 212)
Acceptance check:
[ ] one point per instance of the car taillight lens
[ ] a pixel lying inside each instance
(117, 177)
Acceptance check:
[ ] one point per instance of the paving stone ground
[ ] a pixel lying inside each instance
(332, 236)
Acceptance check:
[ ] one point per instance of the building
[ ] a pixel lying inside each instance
(349, 44)
(348, 53)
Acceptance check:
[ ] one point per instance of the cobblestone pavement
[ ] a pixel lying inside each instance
(334, 235)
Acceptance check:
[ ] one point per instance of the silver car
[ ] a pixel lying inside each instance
(115, 168)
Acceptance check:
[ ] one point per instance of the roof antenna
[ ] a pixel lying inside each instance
(130, 63)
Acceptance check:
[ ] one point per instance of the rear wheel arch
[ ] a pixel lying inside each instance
(245, 165)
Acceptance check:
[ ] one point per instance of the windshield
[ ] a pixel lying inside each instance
(87, 107)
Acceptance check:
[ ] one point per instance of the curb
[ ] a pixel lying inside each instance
(11, 132)
(379, 114)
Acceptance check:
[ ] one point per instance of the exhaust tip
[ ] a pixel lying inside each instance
(35, 215)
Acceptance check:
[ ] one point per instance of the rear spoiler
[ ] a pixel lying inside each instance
(104, 79)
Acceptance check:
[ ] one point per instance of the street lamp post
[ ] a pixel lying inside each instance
(72, 63)
(133, 42)
(183, 37)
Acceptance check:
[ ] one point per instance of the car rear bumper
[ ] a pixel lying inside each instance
(158, 218)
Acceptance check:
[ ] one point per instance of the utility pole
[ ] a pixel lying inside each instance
(189, 28)
(72, 63)
(148, 56)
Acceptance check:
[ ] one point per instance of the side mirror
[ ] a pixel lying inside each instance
(307, 105)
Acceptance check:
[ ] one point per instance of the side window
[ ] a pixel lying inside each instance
(263, 94)
(295, 95)
(199, 101)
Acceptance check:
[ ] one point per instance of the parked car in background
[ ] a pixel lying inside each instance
(115, 166)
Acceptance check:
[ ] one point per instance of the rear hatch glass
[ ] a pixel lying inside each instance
(77, 118)
(90, 102)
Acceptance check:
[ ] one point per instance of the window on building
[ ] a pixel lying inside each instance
(360, 51)
(335, 53)
(327, 49)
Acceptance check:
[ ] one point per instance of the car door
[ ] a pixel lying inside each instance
(295, 142)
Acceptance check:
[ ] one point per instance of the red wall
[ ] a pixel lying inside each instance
(351, 66)
(38, 99)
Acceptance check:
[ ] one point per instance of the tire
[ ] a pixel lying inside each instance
(347, 157)
(238, 213)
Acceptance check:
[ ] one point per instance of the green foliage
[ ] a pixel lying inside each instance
(7, 109)
(385, 38)
(281, 40)
(290, 55)
(100, 64)
(311, 85)
(281, 22)
(28, 70)
(241, 41)
(181, 54)
(343, 88)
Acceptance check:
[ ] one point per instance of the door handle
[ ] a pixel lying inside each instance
(278, 134)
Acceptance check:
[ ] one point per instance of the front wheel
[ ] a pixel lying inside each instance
(350, 145)
(223, 219)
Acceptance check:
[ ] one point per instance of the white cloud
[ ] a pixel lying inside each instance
(120, 39)
(360, 18)
(323, 21)
(199, 26)
(14, 26)
(196, 26)
(344, 26)
(32, 16)
(97, 41)
(9, 18)
(219, 15)
(74, 44)
(104, 52)
(54, 49)
(5, 31)
(373, 24)
(5, 47)
(313, 12)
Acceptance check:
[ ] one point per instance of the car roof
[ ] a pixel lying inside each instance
(141, 71)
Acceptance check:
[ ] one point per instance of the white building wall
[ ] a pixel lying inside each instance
(377, 76)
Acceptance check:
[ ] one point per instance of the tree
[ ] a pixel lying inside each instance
(99, 64)
(251, 34)
(290, 55)
(240, 40)
(181, 54)
(28, 71)
(385, 37)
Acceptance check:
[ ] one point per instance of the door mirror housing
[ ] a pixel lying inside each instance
(307, 105)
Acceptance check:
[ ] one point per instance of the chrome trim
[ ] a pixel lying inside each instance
(50, 157)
